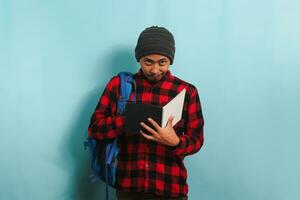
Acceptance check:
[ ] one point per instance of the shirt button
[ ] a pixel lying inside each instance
(147, 166)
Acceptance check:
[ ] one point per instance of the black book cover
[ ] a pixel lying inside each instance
(137, 112)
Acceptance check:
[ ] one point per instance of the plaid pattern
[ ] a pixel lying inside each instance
(143, 165)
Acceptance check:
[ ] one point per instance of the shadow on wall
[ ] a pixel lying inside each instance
(121, 59)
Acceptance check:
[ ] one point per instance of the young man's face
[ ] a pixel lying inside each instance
(155, 66)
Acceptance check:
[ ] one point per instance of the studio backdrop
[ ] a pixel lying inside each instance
(243, 56)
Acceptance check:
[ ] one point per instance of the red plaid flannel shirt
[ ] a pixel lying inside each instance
(144, 165)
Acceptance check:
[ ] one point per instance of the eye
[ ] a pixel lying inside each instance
(148, 62)
(162, 62)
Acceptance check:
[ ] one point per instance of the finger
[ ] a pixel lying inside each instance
(170, 121)
(149, 137)
(156, 126)
(149, 129)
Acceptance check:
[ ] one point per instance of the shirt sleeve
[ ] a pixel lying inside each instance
(192, 139)
(105, 123)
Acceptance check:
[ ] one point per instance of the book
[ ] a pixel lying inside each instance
(138, 112)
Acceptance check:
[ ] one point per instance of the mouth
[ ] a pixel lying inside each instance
(155, 77)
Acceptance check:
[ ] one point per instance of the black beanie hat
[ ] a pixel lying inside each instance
(155, 40)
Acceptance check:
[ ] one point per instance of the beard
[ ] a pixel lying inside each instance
(155, 78)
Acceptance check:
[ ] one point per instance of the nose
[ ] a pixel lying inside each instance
(155, 69)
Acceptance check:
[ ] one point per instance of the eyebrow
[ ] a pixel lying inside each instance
(149, 59)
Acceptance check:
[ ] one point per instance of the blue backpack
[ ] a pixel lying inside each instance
(103, 153)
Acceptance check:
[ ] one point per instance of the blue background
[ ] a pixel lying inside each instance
(243, 56)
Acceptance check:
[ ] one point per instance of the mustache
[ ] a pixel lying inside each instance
(155, 75)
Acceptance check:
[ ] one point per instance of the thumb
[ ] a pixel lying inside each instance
(170, 121)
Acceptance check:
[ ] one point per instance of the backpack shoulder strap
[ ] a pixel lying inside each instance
(127, 85)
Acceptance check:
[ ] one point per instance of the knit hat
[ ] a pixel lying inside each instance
(155, 40)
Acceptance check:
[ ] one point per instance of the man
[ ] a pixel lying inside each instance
(150, 166)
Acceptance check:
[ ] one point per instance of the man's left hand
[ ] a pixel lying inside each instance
(166, 135)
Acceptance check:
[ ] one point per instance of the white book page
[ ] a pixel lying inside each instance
(173, 108)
